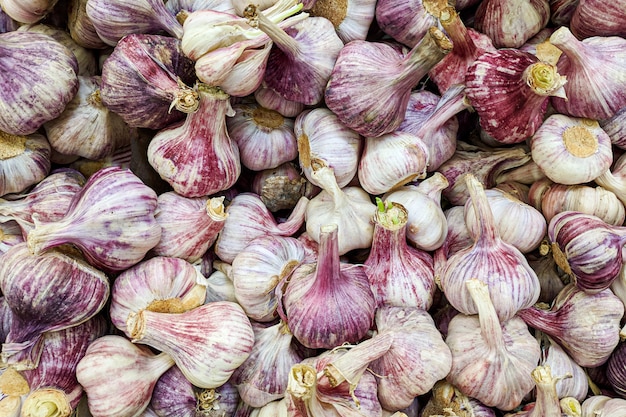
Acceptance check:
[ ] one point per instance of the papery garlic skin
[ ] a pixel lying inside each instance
(270, 99)
(81, 28)
(571, 150)
(351, 20)
(24, 161)
(562, 365)
(408, 21)
(281, 188)
(603, 405)
(27, 11)
(10, 235)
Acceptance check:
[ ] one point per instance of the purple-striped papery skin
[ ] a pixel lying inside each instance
(139, 80)
(616, 370)
(6, 23)
(174, 395)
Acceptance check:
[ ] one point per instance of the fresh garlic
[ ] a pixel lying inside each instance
(350, 208)
(527, 174)
(10, 235)
(80, 26)
(614, 180)
(511, 282)
(510, 90)
(261, 266)
(314, 300)
(399, 275)
(265, 138)
(408, 21)
(179, 7)
(615, 369)
(159, 284)
(587, 326)
(516, 189)
(602, 405)
(270, 99)
(352, 19)
(220, 287)
(323, 140)
(447, 399)
(546, 402)
(119, 376)
(189, 226)
(263, 377)
(525, 232)
(551, 278)
(47, 292)
(7, 23)
(24, 161)
(27, 11)
(248, 218)
(570, 150)
(587, 248)
(615, 127)
(207, 342)
(596, 18)
(456, 239)
(111, 220)
(145, 78)
(114, 19)
(388, 76)
(281, 188)
(574, 379)
(491, 361)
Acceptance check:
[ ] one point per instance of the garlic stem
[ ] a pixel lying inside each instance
(487, 232)
(326, 179)
(433, 186)
(46, 402)
(451, 103)
(425, 55)
(390, 215)
(490, 326)
(282, 40)
(547, 400)
(328, 263)
(565, 40)
(455, 28)
(302, 382)
(544, 80)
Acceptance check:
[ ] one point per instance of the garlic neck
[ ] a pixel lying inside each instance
(544, 80)
(328, 262)
(490, 326)
(451, 103)
(547, 399)
(286, 43)
(425, 55)
(487, 233)
(433, 186)
(464, 46)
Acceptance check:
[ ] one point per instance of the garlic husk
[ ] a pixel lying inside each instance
(525, 232)
(122, 157)
(491, 361)
(113, 20)
(399, 275)
(586, 326)
(596, 18)
(524, 19)
(546, 402)
(456, 238)
(27, 11)
(270, 99)
(62, 350)
(350, 208)
(516, 189)
(119, 376)
(417, 359)
(469, 44)
(510, 90)
(259, 268)
(562, 365)
(351, 19)
(587, 248)
(446, 397)
(571, 150)
(593, 88)
(380, 107)
(551, 278)
(111, 220)
(146, 81)
(323, 140)
(198, 158)
(314, 300)
(615, 127)
(189, 226)
(263, 377)
(426, 225)
(392, 160)
(207, 342)
(528, 174)
(603, 405)
(54, 78)
(81, 28)
(265, 138)
(47, 292)
(47, 201)
(248, 218)
(10, 235)
(408, 21)
(281, 188)
(24, 161)
(159, 284)
(484, 164)
(615, 370)
(512, 283)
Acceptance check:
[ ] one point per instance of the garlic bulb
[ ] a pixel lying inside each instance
(586, 326)
(159, 284)
(264, 137)
(47, 292)
(207, 342)
(491, 361)
(261, 266)
(615, 127)
(388, 76)
(27, 11)
(54, 79)
(562, 365)
(518, 223)
(408, 21)
(456, 238)
(426, 224)
(528, 174)
(546, 402)
(596, 18)
(446, 397)
(314, 298)
(512, 283)
(399, 275)
(248, 218)
(350, 208)
(10, 235)
(80, 26)
(323, 140)
(7, 23)
(615, 370)
(351, 20)
(281, 188)
(613, 180)
(24, 161)
(270, 99)
(189, 226)
(119, 376)
(111, 220)
(510, 90)
(604, 406)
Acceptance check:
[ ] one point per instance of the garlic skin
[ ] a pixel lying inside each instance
(207, 342)
(589, 66)
(261, 266)
(562, 365)
(616, 128)
(613, 180)
(27, 11)
(546, 402)
(510, 91)
(596, 18)
(281, 188)
(47, 292)
(491, 361)
(189, 226)
(10, 235)
(80, 26)
(408, 21)
(270, 99)
(551, 278)
(112, 196)
(24, 161)
(603, 405)
(159, 284)
(131, 373)
(351, 19)
(54, 77)
(323, 140)
(265, 138)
